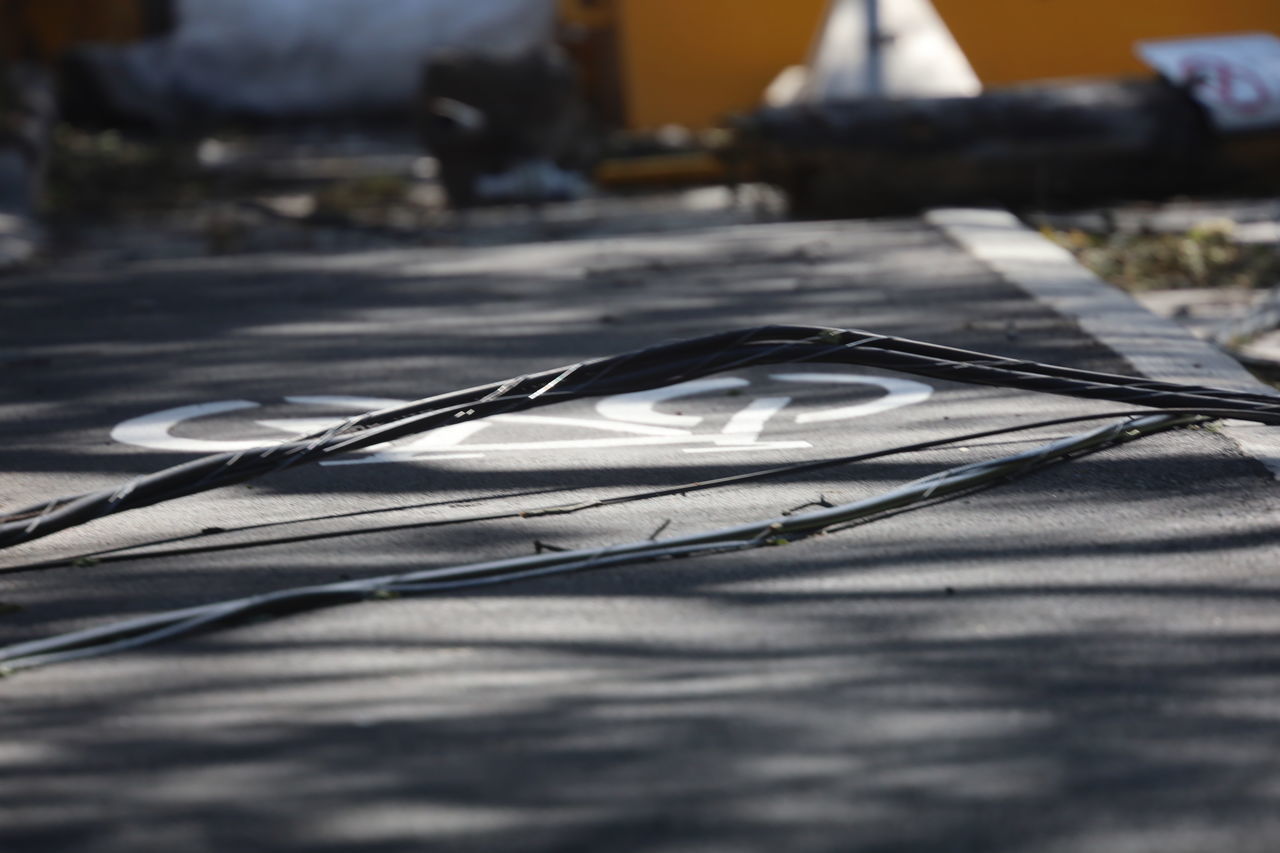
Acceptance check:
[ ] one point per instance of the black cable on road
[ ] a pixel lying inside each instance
(132, 553)
(629, 372)
(780, 530)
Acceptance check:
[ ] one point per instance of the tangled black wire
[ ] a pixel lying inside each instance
(635, 371)
(134, 633)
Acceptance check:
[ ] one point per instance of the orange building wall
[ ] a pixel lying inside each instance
(1013, 40)
(692, 62)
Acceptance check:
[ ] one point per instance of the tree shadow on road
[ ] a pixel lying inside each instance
(1083, 660)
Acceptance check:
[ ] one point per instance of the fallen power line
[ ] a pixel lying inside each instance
(780, 530)
(205, 541)
(635, 371)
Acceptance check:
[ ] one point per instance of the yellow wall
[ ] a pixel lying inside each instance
(1013, 40)
(692, 62)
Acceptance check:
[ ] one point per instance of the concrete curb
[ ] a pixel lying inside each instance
(1156, 347)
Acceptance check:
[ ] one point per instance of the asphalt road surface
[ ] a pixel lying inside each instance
(1086, 659)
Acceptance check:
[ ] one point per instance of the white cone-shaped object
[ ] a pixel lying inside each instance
(914, 56)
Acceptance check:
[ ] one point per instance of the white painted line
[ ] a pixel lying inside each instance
(746, 425)
(608, 426)
(762, 445)
(638, 407)
(152, 431)
(299, 426)
(1156, 347)
(898, 393)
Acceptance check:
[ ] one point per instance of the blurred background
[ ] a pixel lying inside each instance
(1144, 136)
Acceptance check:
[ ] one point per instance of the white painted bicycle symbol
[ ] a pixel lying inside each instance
(626, 420)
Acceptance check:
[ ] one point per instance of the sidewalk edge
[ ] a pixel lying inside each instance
(1156, 347)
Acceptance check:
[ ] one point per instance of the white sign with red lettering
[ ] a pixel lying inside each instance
(1236, 78)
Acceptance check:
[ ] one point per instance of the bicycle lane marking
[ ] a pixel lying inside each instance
(634, 415)
(154, 431)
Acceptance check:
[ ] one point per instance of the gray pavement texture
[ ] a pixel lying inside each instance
(1087, 659)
